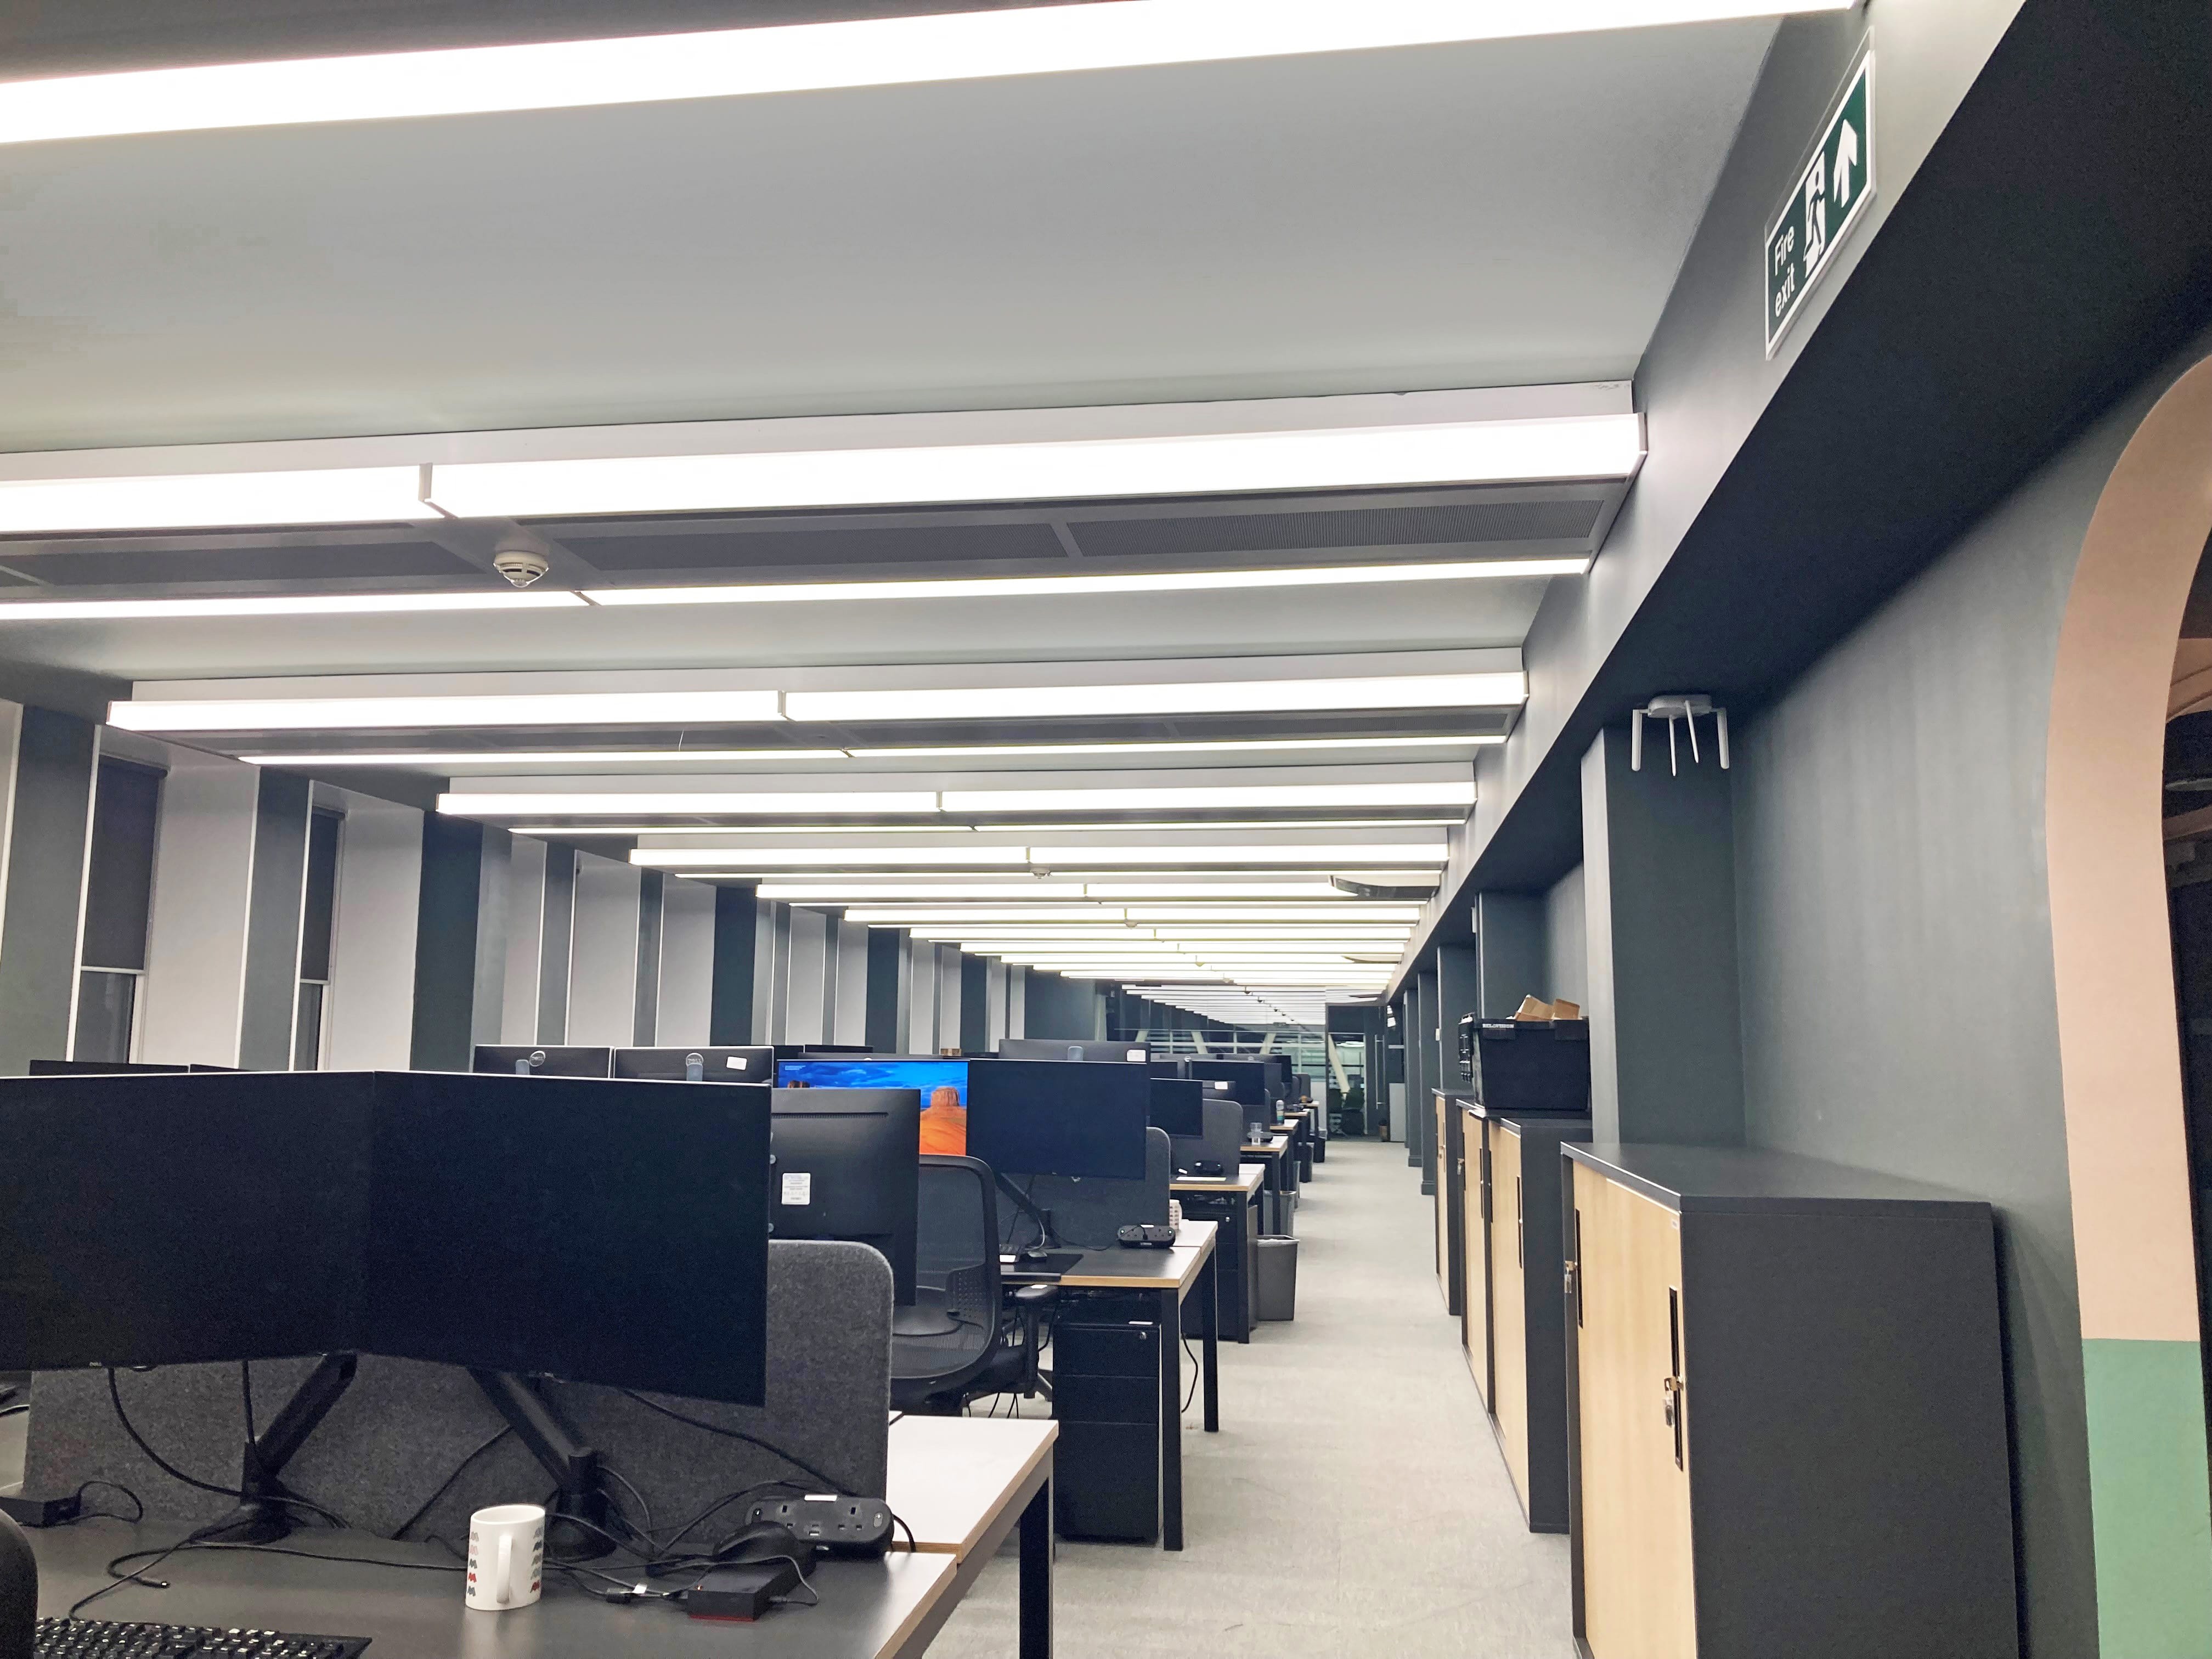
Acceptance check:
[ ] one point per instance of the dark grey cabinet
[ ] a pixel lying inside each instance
(1786, 1411)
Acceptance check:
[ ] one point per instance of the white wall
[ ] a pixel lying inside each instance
(369, 1017)
(195, 988)
(526, 939)
(687, 961)
(851, 1025)
(921, 998)
(804, 969)
(603, 976)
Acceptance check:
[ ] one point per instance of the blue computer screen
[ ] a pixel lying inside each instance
(942, 1083)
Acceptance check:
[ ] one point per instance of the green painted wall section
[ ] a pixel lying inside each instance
(2149, 1498)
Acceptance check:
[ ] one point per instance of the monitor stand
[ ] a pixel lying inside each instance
(574, 1466)
(1047, 1236)
(262, 1516)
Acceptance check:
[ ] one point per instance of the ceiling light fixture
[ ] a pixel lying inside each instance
(750, 803)
(1004, 587)
(796, 57)
(1255, 797)
(471, 760)
(294, 605)
(1481, 690)
(1237, 746)
(359, 494)
(407, 714)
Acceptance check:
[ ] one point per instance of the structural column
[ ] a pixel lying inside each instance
(1659, 875)
(49, 821)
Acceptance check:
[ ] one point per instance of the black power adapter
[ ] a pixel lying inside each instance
(40, 1511)
(740, 1594)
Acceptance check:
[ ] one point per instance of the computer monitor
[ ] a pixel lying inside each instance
(795, 1050)
(564, 1225)
(542, 1060)
(596, 1230)
(847, 1162)
(1178, 1105)
(1055, 1048)
(1166, 1069)
(1052, 1117)
(97, 1068)
(696, 1065)
(1247, 1078)
(164, 1219)
(942, 1083)
(1280, 1078)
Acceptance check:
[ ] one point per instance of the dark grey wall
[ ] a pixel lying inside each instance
(646, 1014)
(1898, 1005)
(1421, 1104)
(274, 894)
(1567, 940)
(1458, 991)
(887, 969)
(1070, 1008)
(730, 1011)
(52, 817)
(1509, 939)
(1665, 1038)
(975, 1004)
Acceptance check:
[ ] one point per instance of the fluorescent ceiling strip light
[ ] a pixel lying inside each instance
(1351, 909)
(875, 891)
(1556, 449)
(1178, 826)
(471, 760)
(572, 831)
(1003, 587)
(752, 803)
(1454, 792)
(295, 605)
(1235, 745)
(1320, 858)
(407, 714)
(1252, 890)
(1484, 690)
(720, 861)
(1311, 858)
(908, 915)
(361, 495)
(797, 58)
(906, 918)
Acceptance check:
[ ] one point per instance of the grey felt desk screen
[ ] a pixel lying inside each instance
(1224, 1141)
(1086, 1211)
(406, 1425)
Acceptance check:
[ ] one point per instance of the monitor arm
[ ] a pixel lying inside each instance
(1048, 1238)
(573, 1463)
(263, 1516)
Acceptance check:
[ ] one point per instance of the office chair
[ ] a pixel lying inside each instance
(957, 1271)
(19, 1593)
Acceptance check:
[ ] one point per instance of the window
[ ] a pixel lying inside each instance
(319, 912)
(118, 901)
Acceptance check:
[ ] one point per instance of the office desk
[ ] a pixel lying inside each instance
(1234, 1207)
(1131, 1287)
(886, 1609)
(961, 1484)
(1273, 1155)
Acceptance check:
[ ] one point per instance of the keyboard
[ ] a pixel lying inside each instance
(94, 1639)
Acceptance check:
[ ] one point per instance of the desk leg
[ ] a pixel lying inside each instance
(1208, 1290)
(1037, 1575)
(1171, 1419)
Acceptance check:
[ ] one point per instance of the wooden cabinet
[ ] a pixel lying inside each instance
(1475, 1323)
(1786, 1410)
(1451, 1268)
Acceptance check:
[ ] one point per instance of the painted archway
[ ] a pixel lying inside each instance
(2119, 1055)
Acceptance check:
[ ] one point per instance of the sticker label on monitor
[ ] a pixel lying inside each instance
(1138, 1054)
(735, 1062)
(798, 1189)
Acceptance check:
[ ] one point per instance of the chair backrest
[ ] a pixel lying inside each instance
(957, 1235)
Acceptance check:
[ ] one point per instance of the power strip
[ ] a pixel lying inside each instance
(831, 1522)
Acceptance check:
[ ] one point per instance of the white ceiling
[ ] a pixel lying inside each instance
(1493, 213)
(1502, 214)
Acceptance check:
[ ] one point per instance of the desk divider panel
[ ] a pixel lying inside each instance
(404, 1426)
(1087, 1211)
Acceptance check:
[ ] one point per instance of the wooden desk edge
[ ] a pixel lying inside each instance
(924, 1608)
(1016, 1491)
(1194, 1257)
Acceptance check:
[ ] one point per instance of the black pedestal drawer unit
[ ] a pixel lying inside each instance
(1106, 1396)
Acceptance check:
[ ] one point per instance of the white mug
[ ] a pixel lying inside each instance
(506, 1556)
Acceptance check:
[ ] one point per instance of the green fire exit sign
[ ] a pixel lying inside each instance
(1834, 188)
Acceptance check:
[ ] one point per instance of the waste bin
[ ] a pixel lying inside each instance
(1277, 1290)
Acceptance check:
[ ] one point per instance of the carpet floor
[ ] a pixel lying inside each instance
(1354, 1499)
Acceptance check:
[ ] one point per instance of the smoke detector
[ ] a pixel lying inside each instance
(520, 565)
